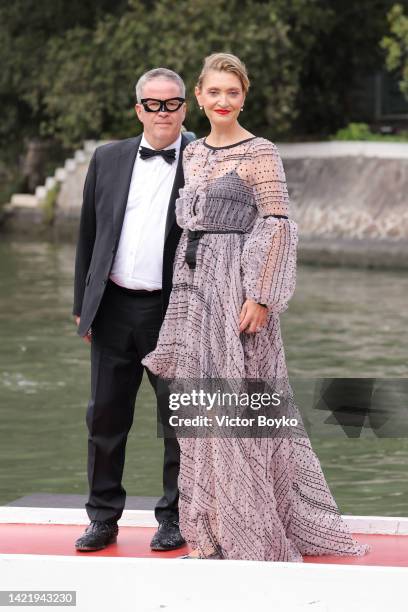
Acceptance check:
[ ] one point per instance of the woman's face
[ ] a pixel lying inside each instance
(222, 97)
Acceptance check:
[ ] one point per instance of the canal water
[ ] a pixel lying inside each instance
(341, 323)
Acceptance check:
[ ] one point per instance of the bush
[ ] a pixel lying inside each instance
(49, 204)
(396, 46)
(361, 131)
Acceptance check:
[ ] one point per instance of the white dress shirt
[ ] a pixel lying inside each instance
(138, 262)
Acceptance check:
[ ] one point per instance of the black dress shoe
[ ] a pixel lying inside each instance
(167, 537)
(97, 536)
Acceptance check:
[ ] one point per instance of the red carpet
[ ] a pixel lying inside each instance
(387, 550)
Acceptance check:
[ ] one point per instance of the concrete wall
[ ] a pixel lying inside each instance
(69, 201)
(350, 201)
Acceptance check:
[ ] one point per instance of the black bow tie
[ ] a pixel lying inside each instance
(169, 155)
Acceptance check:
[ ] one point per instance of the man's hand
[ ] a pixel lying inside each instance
(252, 317)
(88, 336)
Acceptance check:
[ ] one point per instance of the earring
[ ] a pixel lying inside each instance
(242, 108)
(201, 108)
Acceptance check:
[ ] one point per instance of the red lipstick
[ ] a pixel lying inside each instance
(222, 111)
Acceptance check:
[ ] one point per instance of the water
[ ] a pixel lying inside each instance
(341, 323)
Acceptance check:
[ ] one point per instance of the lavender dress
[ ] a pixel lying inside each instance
(243, 498)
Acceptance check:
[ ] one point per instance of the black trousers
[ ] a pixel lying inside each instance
(125, 329)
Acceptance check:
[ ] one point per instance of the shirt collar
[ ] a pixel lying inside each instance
(174, 145)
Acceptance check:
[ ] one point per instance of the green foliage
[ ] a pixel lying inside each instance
(361, 131)
(73, 108)
(396, 45)
(354, 131)
(49, 204)
(27, 32)
(345, 51)
(78, 82)
(69, 67)
(93, 73)
(10, 181)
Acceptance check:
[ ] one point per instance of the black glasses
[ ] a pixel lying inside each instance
(171, 105)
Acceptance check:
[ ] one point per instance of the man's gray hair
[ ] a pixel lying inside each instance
(159, 73)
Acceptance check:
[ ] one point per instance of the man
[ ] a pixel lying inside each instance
(127, 240)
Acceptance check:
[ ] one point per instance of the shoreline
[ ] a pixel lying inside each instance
(348, 199)
(312, 251)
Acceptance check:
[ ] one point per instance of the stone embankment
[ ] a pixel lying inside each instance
(350, 200)
(53, 210)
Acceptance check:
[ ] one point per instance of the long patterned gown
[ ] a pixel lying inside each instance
(241, 498)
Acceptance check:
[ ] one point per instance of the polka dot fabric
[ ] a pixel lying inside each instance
(243, 498)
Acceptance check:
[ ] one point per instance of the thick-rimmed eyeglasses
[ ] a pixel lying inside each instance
(171, 105)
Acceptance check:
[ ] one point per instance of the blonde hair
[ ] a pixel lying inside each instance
(225, 62)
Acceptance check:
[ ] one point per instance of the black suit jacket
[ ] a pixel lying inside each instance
(104, 203)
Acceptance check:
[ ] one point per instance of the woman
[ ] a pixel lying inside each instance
(240, 498)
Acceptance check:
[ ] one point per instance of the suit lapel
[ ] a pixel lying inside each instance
(125, 162)
(178, 182)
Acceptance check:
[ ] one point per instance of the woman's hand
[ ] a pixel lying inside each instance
(252, 317)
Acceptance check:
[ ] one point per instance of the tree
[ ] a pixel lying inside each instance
(345, 51)
(89, 76)
(396, 46)
(27, 27)
(69, 68)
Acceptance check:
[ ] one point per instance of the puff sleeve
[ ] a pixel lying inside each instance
(192, 194)
(268, 261)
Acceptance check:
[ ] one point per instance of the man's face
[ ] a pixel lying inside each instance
(161, 128)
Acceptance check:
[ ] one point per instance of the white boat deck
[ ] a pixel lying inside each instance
(129, 579)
